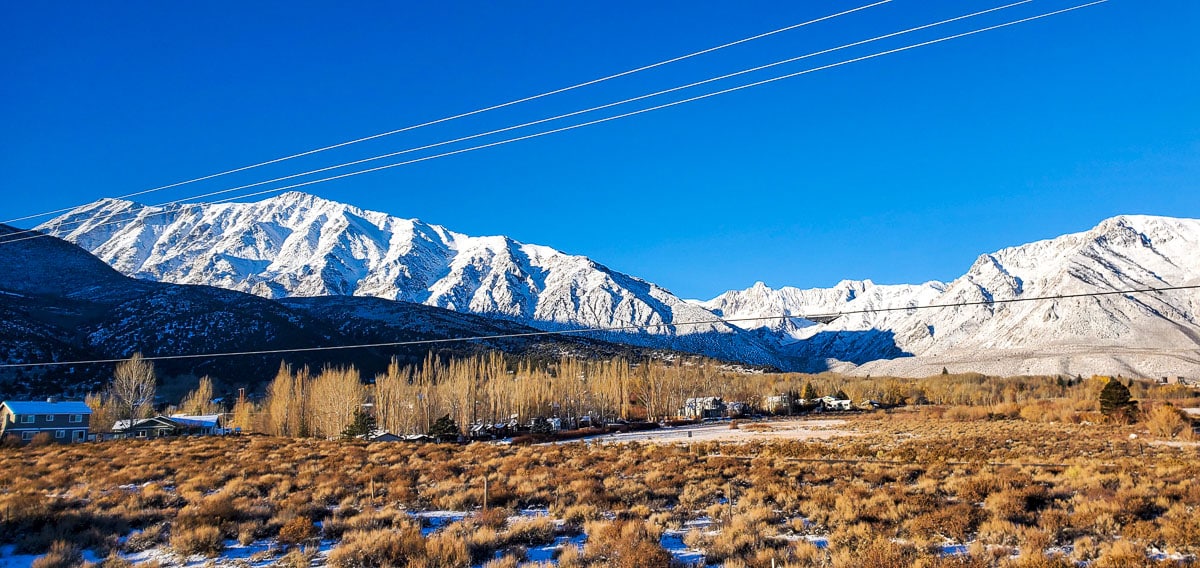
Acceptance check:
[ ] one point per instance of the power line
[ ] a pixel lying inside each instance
(615, 117)
(560, 116)
(477, 111)
(632, 327)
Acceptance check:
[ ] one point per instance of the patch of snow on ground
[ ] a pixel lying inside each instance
(434, 521)
(10, 560)
(672, 541)
(259, 554)
(546, 553)
(954, 549)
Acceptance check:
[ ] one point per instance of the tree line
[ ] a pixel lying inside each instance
(496, 388)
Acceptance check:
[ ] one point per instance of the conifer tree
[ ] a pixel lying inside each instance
(1115, 400)
(362, 425)
(444, 429)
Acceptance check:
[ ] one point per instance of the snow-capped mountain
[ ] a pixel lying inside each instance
(1140, 334)
(299, 245)
(60, 303)
(760, 301)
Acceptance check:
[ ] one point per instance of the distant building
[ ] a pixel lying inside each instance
(703, 407)
(144, 428)
(382, 436)
(198, 425)
(166, 426)
(831, 403)
(66, 422)
(777, 404)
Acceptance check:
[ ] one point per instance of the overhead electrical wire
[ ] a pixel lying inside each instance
(615, 117)
(477, 111)
(560, 116)
(620, 328)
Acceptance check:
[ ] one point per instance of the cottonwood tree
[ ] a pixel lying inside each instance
(104, 412)
(200, 401)
(284, 408)
(242, 417)
(132, 388)
(334, 397)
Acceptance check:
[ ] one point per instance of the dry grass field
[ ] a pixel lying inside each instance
(930, 487)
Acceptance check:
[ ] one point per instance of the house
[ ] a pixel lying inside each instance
(778, 403)
(831, 403)
(199, 425)
(381, 436)
(703, 407)
(65, 421)
(164, 426)
(143, 428)
(736, 409)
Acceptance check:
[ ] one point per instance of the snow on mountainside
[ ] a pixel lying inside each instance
(299, 245)
(1140, 334)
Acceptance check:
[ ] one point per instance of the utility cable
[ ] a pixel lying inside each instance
(619, 328)
(474, 112)
(569, 114)
(619, 116)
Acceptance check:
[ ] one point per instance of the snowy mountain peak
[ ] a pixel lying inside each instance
(297, 244)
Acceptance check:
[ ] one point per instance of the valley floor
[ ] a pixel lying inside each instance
(876, 489)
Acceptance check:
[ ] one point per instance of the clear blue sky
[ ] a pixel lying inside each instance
(899, 169)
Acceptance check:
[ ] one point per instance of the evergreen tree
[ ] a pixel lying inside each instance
(809, 392)
(945, 371)
(1115, 400)
(541, 426)
(362, 425)
(444, 429)
(840, 395)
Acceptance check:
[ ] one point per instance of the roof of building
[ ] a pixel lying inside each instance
(43, 407)
(127, 424)
(196, 421)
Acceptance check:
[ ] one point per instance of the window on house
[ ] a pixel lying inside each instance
(49, 418)
(141, 434)
(60, 433)
(79, 435)
(28, 418)
(27, 436)
(76, 418)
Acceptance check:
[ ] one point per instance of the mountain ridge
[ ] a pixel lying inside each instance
(299, 245)
(1123, 252)
(60, 303)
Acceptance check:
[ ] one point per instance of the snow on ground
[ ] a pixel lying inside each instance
(10, 560)
(672, 541)
(546, 553)
(433, 521)
(259, 554)
(722, 432)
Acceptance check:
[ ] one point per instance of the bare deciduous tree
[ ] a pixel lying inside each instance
(132, 388)
(334, 397)
(200, 401)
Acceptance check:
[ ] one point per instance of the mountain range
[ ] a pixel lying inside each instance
(300, 246)
(60, 303)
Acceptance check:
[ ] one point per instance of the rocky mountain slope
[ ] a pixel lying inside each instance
(1154, 334)
(59, 303)
(299, 245)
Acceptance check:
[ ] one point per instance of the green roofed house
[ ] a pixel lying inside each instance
(66, 421)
